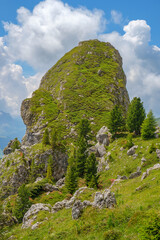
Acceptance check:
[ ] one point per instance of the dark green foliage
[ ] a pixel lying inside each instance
(54, 139)
(22, 203)
(36, 189)
(116, 120)
(112, 234)
(91, 176)
(151, 229)
(16, 144)
(49, 169)
(149, 126)
(84, 129)
(135, 115)
(152, 148)
(81, 156)
(129, 143)
(45, 139)
(71, 175)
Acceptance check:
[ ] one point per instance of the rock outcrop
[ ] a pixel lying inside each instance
(97, 83)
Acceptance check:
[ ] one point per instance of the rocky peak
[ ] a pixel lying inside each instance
(86, 82)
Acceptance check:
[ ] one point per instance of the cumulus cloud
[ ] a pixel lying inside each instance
(41, 37)
(116, 17)
(141, 62)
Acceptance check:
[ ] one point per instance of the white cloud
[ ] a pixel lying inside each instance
(116, 17)
(41, 37)
(141, 62)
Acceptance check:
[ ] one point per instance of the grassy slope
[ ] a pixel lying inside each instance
(132, 210)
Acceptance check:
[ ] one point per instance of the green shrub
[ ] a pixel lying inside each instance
(112, 234)
(129, 143)
(151, 229)
(152, 148)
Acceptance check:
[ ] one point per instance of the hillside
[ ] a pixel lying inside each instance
(137, 201)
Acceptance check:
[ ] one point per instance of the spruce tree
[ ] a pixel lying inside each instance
(135, 115)
(22, 203)
(116, 120)
(91, 176)
(45, 139)
(81, 156)
(83, 137)
(71, 175)
(148, 126)
(54, 139)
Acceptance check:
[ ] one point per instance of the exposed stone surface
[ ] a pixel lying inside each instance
(135, 174)
(49, 187)
(102, 136)
(155, 167)
(29, 216)
(8, 149)
(158, 153)
(122, 177)
(105, 199)
(77, 209)
(131, 151)
(60, 183)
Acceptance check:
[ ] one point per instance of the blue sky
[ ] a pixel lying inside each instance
(35, 34)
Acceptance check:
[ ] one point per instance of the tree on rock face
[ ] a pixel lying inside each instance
(22, 203)
(45, 139)
(116, 120)
(71, 175)
(135, 116)
(148, 126)
(91, 171)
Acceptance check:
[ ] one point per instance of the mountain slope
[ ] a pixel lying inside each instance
(86, 82)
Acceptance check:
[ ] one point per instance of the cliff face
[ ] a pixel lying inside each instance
(85, 82)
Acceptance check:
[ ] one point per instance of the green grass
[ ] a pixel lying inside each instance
(126, 221)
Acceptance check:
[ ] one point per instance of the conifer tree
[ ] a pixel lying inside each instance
(116, 120)
(22, 203)
(91, 176)
(71, 175)
(54, 138)
(84, 132)
(135, 115)
(45, 139)
(148, 126)
(81, 156)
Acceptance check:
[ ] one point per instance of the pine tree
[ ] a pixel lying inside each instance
(54, 139)
(71, 175)
(81, 156)
(148, 126)
(45, 139)
(116, 120)
(22, 203)
(84, 129)
(84, 132)
(135, 115)
(91, 171)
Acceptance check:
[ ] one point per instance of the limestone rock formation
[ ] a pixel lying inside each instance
(85, 82)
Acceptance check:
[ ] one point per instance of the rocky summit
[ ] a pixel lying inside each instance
(85, 83)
